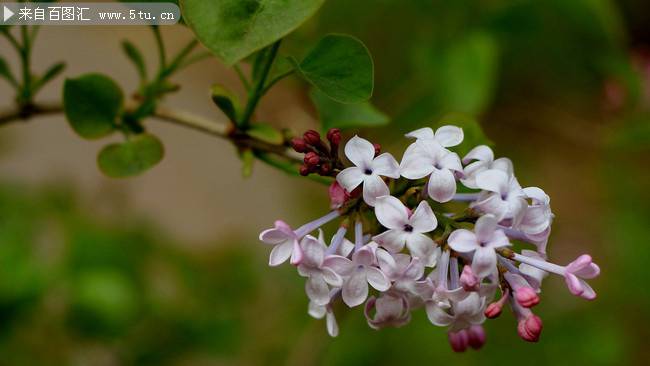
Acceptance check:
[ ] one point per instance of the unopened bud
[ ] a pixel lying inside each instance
(312, 137)
(493, 310)
(304, 170)
(325, 169)
(458, 340)
(311, 159)
(530, 328)
(377, 148)
(476, 336)
(468, 279)
(334, 136)
(299, 145)
(526, 297)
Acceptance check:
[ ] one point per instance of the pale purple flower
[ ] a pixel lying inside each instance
(483, 159)
(428, 157)
(483, 242)
(435, 290)
(391, 310)
(318, 276)
(402, 269)
(503, 198)
(462, 314)
(357, 274)
(368, 170)
(285, 240)
(406, 228)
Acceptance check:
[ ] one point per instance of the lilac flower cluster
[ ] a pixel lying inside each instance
(404, 255)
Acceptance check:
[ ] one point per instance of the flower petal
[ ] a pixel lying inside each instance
(385, 165)
(373, 187)
(421, 246)
(437, 316)
(391, 212)
(451, 161)
(415, 163)
(393, 240)
(364, 256)
(313, 251)
(463, 241)
(493, 180)
(415, 270)
(350, 178)
(281, 253)
(503, 164)
(499, 239)
(480, 153)
(317, 290)
(484, 261)
(332, 326)
(355, 289)
(360, 152)
(341, 265)
(331, 277)
(316, 311)
(377, 279)
(423, 220)
(484, 227)
(386, 262)
(442, 185)
(449, 136)
(422, 133)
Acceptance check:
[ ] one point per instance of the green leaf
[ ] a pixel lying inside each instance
(227, 101)
(5, 72)
(266, 133)
(338, 115)
(234, 29)
(138, 154)
(341, 67)
(472, 131)
(248, 159)
(92, 103)
(136, 57)
(468, 73)
(50, 74)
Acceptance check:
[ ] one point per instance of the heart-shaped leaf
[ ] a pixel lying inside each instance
(234, 29)
(92, 103)
(132, 157)
(341, 67)
(339, 115)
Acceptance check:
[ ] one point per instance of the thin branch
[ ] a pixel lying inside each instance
(192, 121)
(15, 114)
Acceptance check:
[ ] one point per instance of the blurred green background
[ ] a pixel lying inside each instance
(560, 86)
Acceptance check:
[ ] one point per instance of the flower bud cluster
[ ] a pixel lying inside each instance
(402, 255)
(319, 157)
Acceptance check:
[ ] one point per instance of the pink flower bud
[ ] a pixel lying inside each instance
(325, 169)
(530, 328)
(493, 310)
(526, 297)
(458, 340)
(311, 159)
(304, 170)
(299, 145)
(468, 279)
(311, 137)
(337, 194)
(476, 336)
(377, 148)
(334, 136)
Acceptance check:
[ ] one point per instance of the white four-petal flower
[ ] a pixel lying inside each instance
(358, 273)
(482, 158)
(503, 198)
(483, 242)
(405, 228)
(367, 170)
(318, 276)
(428, 156)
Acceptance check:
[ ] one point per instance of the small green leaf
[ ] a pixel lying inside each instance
(341, 67)
(132, 157)
(472, 131)
(136, 57)
(5, 72)
(234, 29)
(338, 115)
(266, 133)
(92, 103)
(227, 101)
(248, 159)
(50, 74)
